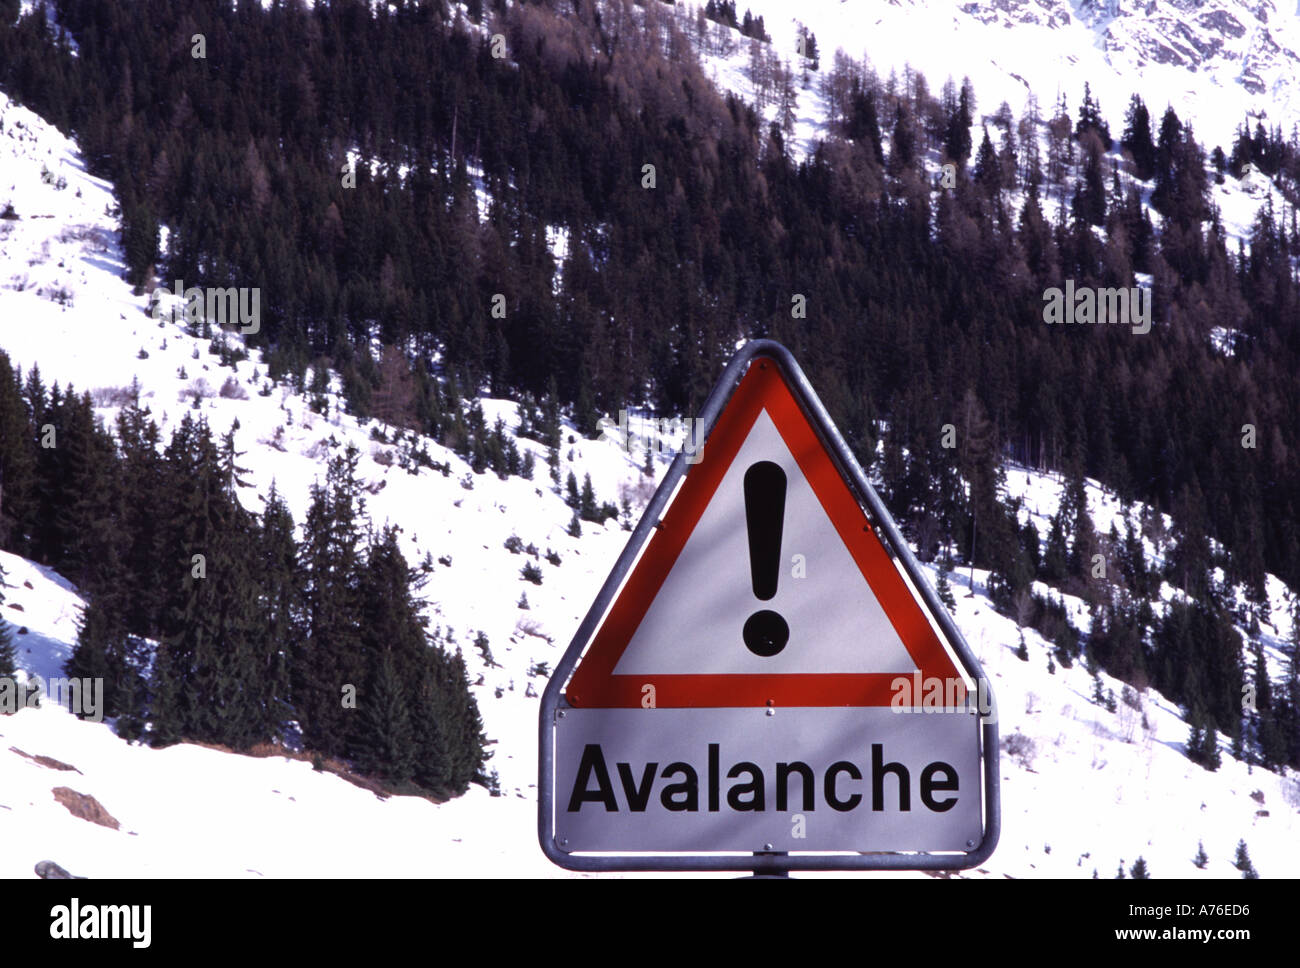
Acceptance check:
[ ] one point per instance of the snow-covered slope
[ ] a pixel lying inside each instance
(1097, 788)
(1216, 61)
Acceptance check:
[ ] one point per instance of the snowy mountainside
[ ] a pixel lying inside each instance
(1084, 789)
(890, 47)
(1217, 62)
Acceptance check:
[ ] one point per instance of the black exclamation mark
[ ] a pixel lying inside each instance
(765, 632)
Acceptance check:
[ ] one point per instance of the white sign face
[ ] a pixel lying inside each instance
(835, 622)
(770, 675)
(683, 780)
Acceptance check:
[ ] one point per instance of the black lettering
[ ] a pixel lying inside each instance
(713, 778)
(878, 770)
(637, 798)
(843, 766)
(593, 761)
(928, 785)
(690, 787)
(783, 771)
(754, 788)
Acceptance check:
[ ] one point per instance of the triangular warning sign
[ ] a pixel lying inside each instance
(764, 584)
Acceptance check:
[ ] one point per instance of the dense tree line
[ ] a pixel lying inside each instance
(920, 309)
(209, 622)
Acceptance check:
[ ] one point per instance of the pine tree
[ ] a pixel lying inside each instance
(281, 594)
(1136, 139)
(1056, 556)
(1171, 134)
(587, 501)
(1201, 858)
(8, 652)
(430, 722)
(944, 588)
(101, 642)
(1090, 119)
(207, 661)
(1074, 504)
(902, 145)
(384, 743)
(458, 721)
(78, 483)
(144, 582)
(18, 499)
(553, 463)
(1203, 742)
(1139, 870)
(957, 142)
(329, 655)
(234, 715)
(1089, 203)
(1242, 862)
(988, 172)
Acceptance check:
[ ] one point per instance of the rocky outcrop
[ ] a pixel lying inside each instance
(85, 806)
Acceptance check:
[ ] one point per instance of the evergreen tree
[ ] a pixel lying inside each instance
(208, 654)
(1171, 134)
(384, 745)
(329, 655)
(587, 501)
(1137, 141)
(863, 124)
(1139, 870)
(431, 725)
(1242, 862)
(902, 144)
(944, 589)
(461, 723)
(281, 595)
(144, 555)
(1090, 120)
(8, 653)
(18, 499)
(988, 171)
(957, 142)
(1089, 203)
(101, 652)
(78, 530)
(1201, 858)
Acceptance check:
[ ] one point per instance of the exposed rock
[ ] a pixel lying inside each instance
(51, 871)
(49, 761)
(85, 806)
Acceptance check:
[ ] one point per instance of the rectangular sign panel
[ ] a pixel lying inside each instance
(787, 779)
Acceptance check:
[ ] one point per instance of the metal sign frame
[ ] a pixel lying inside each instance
(553, 702)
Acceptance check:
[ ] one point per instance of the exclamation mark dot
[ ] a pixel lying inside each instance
(765, 632)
